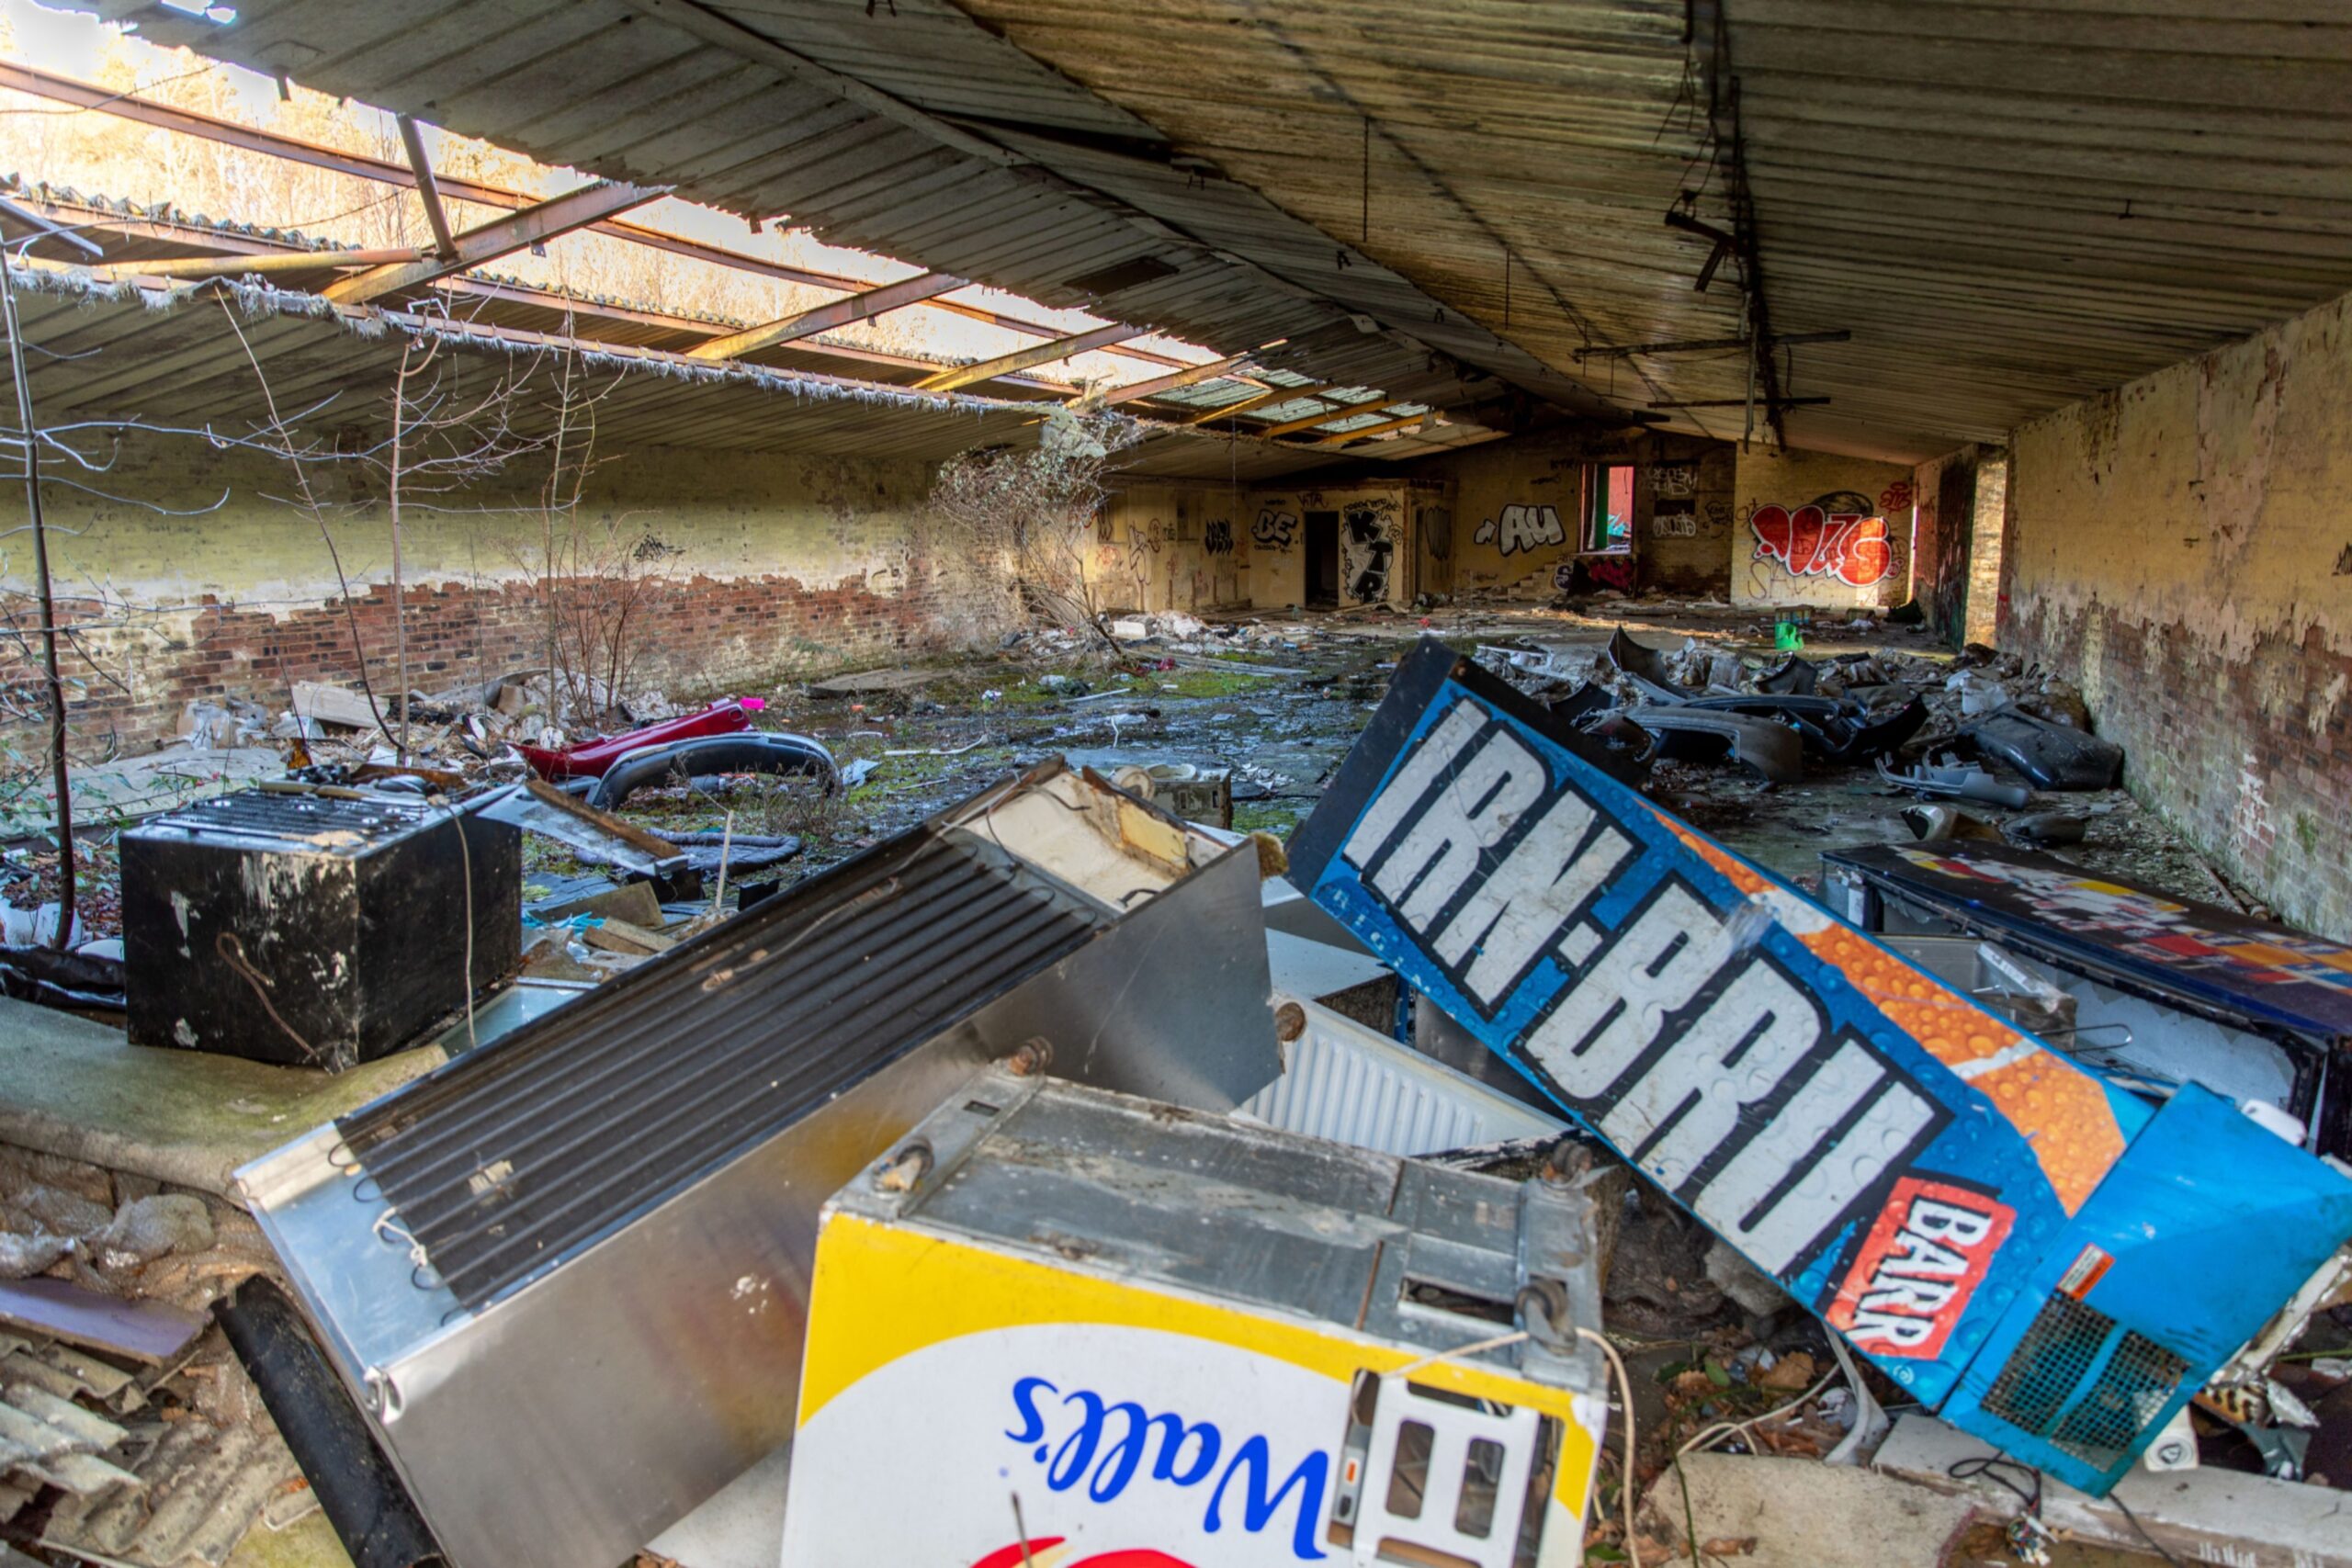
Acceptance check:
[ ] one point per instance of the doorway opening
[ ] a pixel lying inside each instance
(1322, 560)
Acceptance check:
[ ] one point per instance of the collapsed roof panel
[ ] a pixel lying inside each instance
(932, 175)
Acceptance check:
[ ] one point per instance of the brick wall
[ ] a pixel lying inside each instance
(751, 568)
(2181, 546)
(1957, 537)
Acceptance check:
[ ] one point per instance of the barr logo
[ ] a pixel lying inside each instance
(1917, 1267)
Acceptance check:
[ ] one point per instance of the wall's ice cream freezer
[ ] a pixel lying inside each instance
(1069, 1328)
(2043, 1257)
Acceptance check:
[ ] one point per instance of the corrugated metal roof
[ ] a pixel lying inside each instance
(2007, 206)
(932, 175)
(171, 356)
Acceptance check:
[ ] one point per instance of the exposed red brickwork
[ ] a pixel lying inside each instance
(697, 636)
(2251, 759)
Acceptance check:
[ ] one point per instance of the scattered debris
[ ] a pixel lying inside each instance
(594, 759)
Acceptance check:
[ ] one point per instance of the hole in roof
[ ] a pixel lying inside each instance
(1127, 273)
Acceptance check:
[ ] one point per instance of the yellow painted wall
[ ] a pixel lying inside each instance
(1511, 554)
(1388, 509)
(1840, 565)
(1165, 546)
(2184, 548)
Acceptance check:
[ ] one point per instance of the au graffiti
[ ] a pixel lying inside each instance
(1518, 528)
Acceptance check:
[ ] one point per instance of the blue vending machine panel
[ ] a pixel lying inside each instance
(1932, 1182)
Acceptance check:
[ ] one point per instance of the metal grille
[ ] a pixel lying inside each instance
(512, 1158)
(2083, 1383)
(271, 815)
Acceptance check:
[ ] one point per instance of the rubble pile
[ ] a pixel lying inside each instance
(1762, 1177)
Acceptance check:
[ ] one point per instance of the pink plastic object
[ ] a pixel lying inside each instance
(590, 759)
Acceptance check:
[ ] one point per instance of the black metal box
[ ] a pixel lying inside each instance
(314, 930)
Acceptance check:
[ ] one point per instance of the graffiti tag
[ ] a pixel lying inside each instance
(1217, 536)
(1831, 537)
(1274, 529)
(1522, 528)
(1674, 479)
(1895, 497)
(1367, 546)
(1675, 525)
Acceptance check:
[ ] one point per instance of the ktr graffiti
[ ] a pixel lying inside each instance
(1834, 535)
(1274, 529)
(1522, 528)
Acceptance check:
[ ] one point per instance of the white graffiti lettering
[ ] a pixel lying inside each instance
(1678, 1035)
(1539, 888)
(1522, 528)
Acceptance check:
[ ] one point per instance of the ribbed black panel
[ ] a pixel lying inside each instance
(507, 1160)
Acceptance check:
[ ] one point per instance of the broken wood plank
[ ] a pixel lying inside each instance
(146, 1331)
(620, 936)
(866, 682)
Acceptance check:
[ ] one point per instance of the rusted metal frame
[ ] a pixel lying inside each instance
(1345, 411)
(419, 163)
(1381, 429)
(194, 268)
(547, 300)
(1192, 376)
(1270, 395)
(187, 122)
(502, 236)
(825, 318)
(1025, 358)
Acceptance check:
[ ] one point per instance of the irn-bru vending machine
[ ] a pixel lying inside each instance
(2036, 1252)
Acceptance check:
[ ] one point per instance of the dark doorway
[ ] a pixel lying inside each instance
(1322, 560)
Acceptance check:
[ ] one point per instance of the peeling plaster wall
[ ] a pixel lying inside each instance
(2184, 548)
(1169, 546)
(764, 565)
(1815, 528)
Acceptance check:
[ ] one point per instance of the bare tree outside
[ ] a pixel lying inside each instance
(1035, 509)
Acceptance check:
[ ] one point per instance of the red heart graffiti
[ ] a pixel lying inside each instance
(1809, 543)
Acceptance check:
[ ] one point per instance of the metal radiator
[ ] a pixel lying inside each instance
(347, 912)
(568, 1274)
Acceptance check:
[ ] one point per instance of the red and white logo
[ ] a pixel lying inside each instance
(1923, 1259)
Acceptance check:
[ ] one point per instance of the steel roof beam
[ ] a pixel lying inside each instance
(445, 243)
(1344, 436)
(187, 122)
(1026, 358)
(860, 307)
(1345, 411)
(191, 269)
(500, 237)
(1168, 383)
